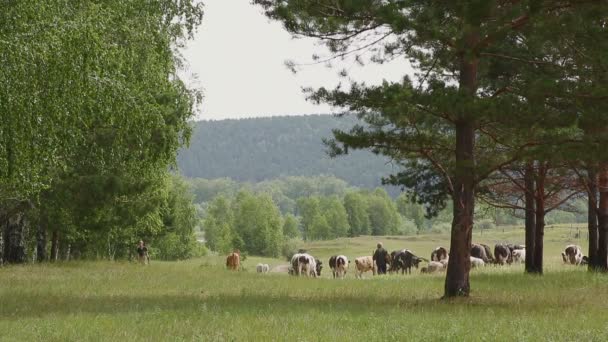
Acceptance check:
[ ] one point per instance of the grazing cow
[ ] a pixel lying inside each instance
(318, 267)
(479, 251)
(406, 259)
(519, 256)
(488, 253)
(332, 264)
(513, 247)
(305, 264)
(572, 255)
(477, 262)
(262, 268)
(439, 254)
(503, 254)
(433, 267)
(395, 265)
(364, 264)
(338, 265)
(233, 261)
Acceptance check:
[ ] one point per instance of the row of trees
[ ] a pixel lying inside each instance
(505, 89)
(91, 115)
(252, 220)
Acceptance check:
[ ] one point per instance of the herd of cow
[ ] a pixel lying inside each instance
(304, 264)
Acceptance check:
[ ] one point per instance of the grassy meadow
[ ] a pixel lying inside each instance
(199, 300)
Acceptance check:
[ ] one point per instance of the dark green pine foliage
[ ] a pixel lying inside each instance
(443, 124)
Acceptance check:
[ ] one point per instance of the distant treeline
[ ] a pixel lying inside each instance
(262, 218)
(260, 149)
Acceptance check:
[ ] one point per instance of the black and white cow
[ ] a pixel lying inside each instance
(405, 259)
(338, 265)
(572, 254)
(439, 254)
(304, 264)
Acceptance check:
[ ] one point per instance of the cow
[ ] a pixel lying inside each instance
(262, 268)
(489, 254)
(519, 256)
(395, 266)
(572, 255)
(503, 254)
(439, 254)
(233, 260)
(318, 267)
(406, 259)
(513, 247)
(433, 267)
(364, 264)
(477, 262)
(479, 251)
(305, 264)
(338, 265)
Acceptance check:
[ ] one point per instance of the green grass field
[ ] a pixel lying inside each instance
(199, 300)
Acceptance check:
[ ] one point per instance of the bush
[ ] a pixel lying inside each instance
(442, 227)
(408, 227)
(289, 248)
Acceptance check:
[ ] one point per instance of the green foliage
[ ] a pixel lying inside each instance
(410, 210)
(290, 226)
(356, 209)
(218, 225)
(382, 212)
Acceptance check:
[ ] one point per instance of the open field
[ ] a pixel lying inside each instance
(199, 300)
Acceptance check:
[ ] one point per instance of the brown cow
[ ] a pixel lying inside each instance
(233, 261)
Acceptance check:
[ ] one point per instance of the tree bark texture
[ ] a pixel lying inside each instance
(463, 196)
(14, 239)
(530, 216)
(539, 233)
(592, 219)
(602, 242)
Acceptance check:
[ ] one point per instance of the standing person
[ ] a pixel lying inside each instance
(142, 253)
(380, 258)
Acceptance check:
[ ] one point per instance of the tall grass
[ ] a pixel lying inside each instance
(200, 300)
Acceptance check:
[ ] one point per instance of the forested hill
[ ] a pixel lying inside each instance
(265, 148)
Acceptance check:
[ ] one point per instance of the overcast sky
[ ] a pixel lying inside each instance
(238, 60)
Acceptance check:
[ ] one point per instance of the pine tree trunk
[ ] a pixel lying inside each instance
(55, 246)
(592, 219)
(14, 246)
(540, 219)
(530, 216)
(463, 197)
(602, 246)
(459, 264)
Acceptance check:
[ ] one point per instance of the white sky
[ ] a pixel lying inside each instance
(238, 60)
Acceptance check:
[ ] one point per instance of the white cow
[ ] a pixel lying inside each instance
(433, 267)
(364, 264)
(262, 268)
(519, 256)
(477, 262)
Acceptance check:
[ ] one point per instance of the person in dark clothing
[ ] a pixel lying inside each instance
(142, 253)
(380, 258)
